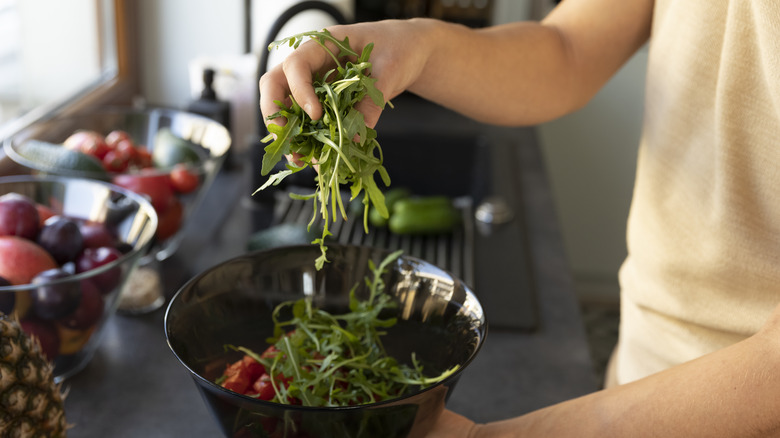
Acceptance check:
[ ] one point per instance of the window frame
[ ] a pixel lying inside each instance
(117, 87)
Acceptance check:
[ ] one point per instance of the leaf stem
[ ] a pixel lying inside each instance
(339, 89)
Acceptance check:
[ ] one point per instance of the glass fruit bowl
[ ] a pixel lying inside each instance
(67, 246)
(169, 156)
(185, 152)
(439, 320)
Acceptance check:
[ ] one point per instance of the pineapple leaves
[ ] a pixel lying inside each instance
(345, 150)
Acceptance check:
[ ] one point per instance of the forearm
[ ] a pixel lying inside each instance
(528, 72)
(515, 74)
(730, 393)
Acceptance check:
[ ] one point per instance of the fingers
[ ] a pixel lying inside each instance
(295, 159)
(294, 77)
(271, 90)
(370, 110)
(276, 85)
(387, 84)
(298, 70)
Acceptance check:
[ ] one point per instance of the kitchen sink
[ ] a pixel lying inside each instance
(478, 173)
(433, 164)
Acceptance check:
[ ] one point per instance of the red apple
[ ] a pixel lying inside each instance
(22, 259)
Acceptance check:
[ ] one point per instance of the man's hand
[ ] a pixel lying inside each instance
(397, 60)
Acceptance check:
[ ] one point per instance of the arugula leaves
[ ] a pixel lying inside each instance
(339, 360)
(340, 144)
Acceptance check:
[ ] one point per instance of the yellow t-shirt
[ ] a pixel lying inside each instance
(703, 269)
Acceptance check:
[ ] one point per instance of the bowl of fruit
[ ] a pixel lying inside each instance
(167, 155)
(371, 345)
(67, 246)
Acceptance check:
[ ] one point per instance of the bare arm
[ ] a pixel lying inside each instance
(731, 393)
(515, 74)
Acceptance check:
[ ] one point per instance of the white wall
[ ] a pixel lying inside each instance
(179, 34)
(506, 11)
(591, 158)
(173, 32)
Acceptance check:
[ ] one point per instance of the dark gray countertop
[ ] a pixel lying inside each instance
(135, 387)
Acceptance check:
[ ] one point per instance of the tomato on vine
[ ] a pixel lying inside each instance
(183, 179)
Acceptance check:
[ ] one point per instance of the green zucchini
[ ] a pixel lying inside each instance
(424, 215)
(392, 196)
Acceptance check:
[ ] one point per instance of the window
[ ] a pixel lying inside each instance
(62, 56)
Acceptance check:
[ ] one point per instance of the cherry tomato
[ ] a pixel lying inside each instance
(95, 147)
(116, 160)
(169, 221)
(183, 179)
(128, 149)
(156, 186)
(143, 157)
(114, 137)
(88, 142)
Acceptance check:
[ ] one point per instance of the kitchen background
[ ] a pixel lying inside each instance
(590, 154)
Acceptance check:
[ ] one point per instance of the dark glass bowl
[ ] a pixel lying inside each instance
(439, 319)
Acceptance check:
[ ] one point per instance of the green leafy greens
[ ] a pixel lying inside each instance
(340, 144)
(339, 360)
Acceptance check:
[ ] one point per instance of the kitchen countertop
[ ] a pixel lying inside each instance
(135, 387)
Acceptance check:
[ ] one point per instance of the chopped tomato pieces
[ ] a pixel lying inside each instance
(270, 352)
(242, 374)
(249, 377)
(263, 387)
